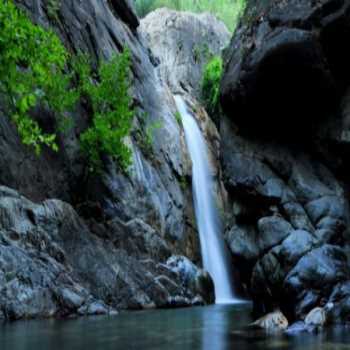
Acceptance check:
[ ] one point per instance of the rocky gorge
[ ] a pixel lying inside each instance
(76, 244)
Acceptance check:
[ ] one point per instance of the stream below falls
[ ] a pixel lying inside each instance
(217, 327)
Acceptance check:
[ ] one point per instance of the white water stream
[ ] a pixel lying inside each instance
(214, 251)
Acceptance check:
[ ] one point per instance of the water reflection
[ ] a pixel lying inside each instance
(210, 328)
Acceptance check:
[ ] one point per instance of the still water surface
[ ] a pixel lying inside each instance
(209, 328)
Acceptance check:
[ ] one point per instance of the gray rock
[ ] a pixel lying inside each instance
(51, 264)
(272, 322)
(69, 298)
(242, 242)
(298, 327)
(319, 270)
(94, 308)
(193, 278)
(316, 318)
(184, 42)
(272, 230)
(296, 245)
(151, 191)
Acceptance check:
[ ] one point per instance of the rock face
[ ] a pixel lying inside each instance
(284, 92)
(152, 192)
(183, 43)
(112, 246)
(53, 264)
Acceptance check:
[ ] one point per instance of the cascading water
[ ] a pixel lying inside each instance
(214, 252)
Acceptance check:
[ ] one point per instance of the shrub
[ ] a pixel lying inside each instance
(32, 62)
(143, 7)
(53, 8)
(112, 112)
(211, 85)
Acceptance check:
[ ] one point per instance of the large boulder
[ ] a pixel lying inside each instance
(283, 63)
(183, 42)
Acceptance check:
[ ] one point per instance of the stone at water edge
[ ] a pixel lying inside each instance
(316, 317)
(314, 321)
(272, 322)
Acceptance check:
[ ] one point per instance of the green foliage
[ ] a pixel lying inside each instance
(228, 11)
(112, 112)
(149, 132)
(201, 52)
(183, 183)
(33, 72)
(178, 118)
(211, 85)
(144, 135)
(53, 8)
(32, 62)
(143, 7)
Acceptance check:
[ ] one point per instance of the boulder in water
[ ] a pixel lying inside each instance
(272, 322)
(316, 317)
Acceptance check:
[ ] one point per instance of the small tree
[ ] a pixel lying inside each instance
(111, 102)
(32, 63)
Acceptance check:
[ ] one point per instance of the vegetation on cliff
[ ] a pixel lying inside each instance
(36, 72)
(211, 85)
(112, 115)
(32, 73)
(228, 11)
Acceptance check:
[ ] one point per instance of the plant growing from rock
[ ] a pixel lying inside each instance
(211, 85)
(53, 8)
(32, 73)
(111, 103)
(178, 118)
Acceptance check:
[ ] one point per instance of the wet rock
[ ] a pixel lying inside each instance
(69, 298)
(51, 264)
(274, 49)
(273, 322)
(319, 270)
(307, 301)
(193, 278)
(298, 327)
(316, 318)
(297, 244)
(281, 153)
(95, 308)
(338, 307)
(272, 230)
(242, 243)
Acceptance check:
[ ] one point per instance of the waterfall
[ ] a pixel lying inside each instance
(213, 249)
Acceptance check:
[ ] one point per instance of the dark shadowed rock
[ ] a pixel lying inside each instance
(281, 65)
(272, 230)
(284, 153)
